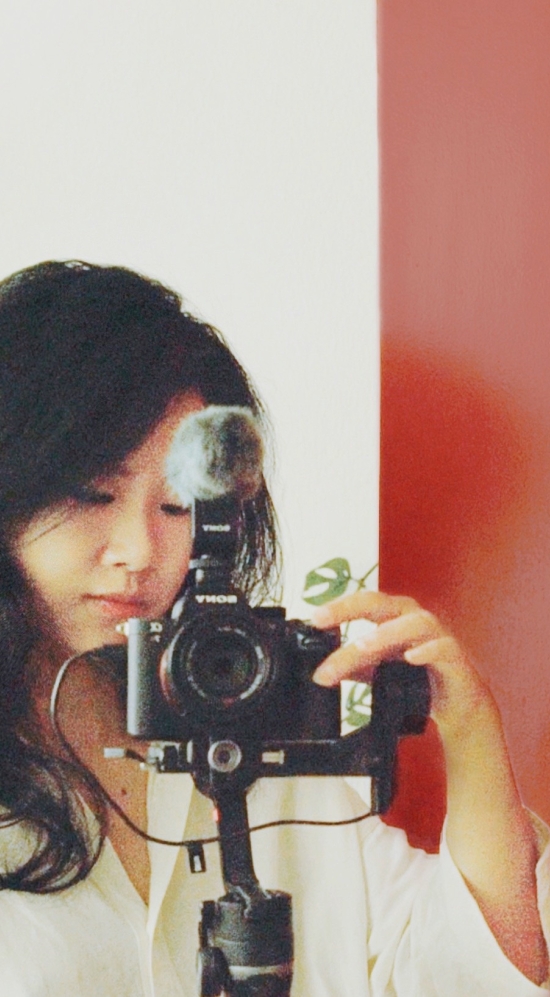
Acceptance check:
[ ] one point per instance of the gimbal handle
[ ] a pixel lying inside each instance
(245, 937)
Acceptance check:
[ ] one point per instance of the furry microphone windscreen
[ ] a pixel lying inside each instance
(217, 451)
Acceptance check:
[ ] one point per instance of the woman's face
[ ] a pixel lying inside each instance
(121, 548)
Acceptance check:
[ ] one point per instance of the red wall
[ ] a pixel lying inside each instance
(465, 260)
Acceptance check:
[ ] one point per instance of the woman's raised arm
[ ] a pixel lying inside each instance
(489, 834)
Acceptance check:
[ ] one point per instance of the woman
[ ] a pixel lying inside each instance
(98, 366)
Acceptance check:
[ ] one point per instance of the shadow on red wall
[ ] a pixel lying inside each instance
(456, 460)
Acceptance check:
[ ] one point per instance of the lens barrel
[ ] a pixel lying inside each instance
(216, 665)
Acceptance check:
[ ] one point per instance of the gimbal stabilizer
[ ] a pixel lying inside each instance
(225, 690)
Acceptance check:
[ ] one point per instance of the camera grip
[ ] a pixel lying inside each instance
(144, 696)
(401, 697)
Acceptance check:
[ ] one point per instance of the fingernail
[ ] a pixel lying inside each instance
(324, 676)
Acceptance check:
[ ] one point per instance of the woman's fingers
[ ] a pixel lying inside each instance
(348, 662)
(402, 624)
(375, 606)
(404, 630)
(390, 640)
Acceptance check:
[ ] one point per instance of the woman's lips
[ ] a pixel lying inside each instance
(117, 607)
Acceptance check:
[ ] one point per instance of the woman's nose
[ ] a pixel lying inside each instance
(131, 541)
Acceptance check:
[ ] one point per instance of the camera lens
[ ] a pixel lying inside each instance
(216, 667)
(225, 667)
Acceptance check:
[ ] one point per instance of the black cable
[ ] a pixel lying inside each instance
(129, 753)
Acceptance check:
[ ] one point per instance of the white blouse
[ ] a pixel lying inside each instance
(373, 917)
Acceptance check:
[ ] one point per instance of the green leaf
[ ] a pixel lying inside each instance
(356, 719)
(358, 705)
(333, 578)
(360, 695)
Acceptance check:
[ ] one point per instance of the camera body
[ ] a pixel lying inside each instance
(221, 669)
(228, 671)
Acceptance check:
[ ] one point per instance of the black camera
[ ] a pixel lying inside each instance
(222, 672)
(224, 669)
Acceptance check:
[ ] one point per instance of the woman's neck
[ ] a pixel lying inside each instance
(88, 700)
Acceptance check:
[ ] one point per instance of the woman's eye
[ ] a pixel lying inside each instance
(92, 496)
(174, 510)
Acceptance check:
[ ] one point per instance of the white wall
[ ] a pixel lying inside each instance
(229, 148)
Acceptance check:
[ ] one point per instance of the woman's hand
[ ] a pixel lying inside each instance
(405, 631)
(488, 832)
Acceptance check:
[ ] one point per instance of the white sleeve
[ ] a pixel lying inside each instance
(428, 937)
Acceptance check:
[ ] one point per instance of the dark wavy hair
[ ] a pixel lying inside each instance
(90, 358)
